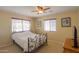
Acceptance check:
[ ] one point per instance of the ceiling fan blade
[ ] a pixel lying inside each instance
(34, 11)
(46, 8)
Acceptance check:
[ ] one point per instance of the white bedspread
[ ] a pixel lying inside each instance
(22, 39)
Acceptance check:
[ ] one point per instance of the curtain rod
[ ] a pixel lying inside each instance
(19, 18)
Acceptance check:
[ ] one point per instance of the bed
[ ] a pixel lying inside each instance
(29, 41)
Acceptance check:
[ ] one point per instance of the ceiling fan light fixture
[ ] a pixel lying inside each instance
(40, 12)
(40, 9)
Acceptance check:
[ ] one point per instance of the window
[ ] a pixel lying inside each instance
(20, 25)
(50, 25)
(26, 25)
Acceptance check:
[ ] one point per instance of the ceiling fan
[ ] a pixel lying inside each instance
(40, 9)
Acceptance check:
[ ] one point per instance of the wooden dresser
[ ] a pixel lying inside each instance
(68, 47)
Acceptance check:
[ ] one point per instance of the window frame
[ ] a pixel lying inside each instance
(21, 24)
(50, 25)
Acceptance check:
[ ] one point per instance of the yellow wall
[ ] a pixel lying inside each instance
(5, 26)
(61, 33)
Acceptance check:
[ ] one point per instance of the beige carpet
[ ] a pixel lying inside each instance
(52, 47)
(11, 49)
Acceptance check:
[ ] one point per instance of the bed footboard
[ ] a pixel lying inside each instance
(46, 38)
(31, 45)
(28, 45)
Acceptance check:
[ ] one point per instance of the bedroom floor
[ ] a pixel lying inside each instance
(52, 47)
(11, 49)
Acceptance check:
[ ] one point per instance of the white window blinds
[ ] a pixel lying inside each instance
(26, 25)
(20, 25)
(50, 25)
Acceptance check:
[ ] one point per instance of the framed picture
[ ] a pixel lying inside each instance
(66, 22)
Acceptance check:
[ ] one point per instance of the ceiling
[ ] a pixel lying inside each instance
(27, 10)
